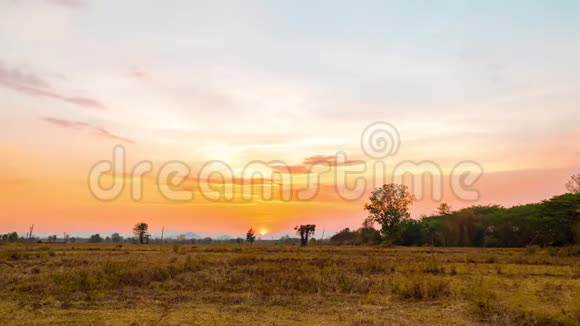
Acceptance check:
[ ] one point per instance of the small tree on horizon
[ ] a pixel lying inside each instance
(573, 185)
(95, 238)
(140, 230)
(304, 231)
(389, 207)
(251, 236)
(444, 209)
(116, 237)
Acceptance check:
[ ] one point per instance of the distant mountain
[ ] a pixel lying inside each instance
(175, 234)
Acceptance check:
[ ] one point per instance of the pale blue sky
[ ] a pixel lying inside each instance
(469, 72)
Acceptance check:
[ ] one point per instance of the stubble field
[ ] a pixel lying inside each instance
(286, 285)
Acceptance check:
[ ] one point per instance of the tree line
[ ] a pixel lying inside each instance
(552, 222)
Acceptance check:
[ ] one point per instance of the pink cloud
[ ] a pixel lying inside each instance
(308, 162)
(78, 125)
(66, 123)
(105, 133)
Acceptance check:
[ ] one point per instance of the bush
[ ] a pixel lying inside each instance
(531, 250)
(420, 288)
(552, 251)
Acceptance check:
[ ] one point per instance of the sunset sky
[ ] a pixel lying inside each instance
(492, 82)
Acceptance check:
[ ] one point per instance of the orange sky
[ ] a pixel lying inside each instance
(240, 84)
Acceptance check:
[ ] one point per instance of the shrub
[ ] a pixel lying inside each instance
(552, 251)
(420, 288)
(531, 250)
(176, 249)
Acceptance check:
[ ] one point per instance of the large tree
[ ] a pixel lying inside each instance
(305, 231)
(140, 230)
(389, 206)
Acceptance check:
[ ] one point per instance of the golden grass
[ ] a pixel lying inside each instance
(286, 285)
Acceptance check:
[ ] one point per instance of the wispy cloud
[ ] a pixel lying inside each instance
(31, 84)
(233, 181)
(328, 159)
(66, 123)
(79, 125)
(309, 162)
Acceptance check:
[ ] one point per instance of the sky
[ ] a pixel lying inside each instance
(279, 86)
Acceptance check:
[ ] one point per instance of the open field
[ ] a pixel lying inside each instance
(287, 285)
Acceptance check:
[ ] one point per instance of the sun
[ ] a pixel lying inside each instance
(263, 232)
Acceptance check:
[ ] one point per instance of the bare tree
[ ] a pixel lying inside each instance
(305, 231)
(29, 235)
(573, 185)
(140, 230)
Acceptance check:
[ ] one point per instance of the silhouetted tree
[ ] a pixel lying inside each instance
(116, 237)
(304, 231)
(95, 238)
(444, 209)
(410, 233)
(346, 236)
(389, 206)
(251, 236)
(206, 240)
(140, 230)
(573, 185)
(10, 237)
(364, 235)
(562, 218)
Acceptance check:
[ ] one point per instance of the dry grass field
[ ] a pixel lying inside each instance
(287, 285)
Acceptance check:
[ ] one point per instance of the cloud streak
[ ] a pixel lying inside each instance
(328, 159)
(79, 125)
(309, 162)
(32, 85)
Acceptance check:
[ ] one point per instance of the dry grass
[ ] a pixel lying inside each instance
(286, 285)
